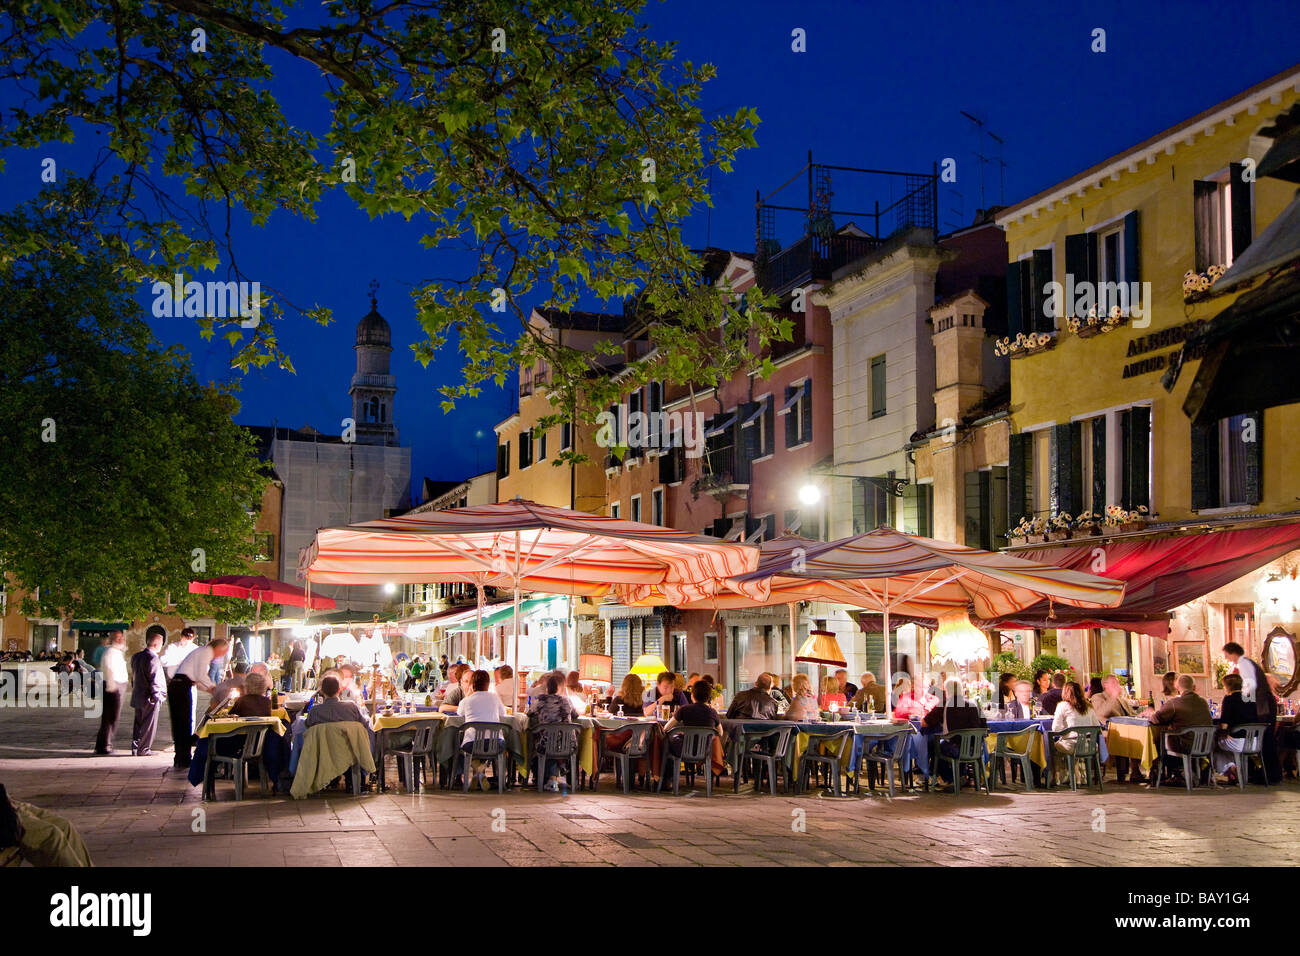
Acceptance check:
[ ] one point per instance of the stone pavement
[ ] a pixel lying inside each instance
(139, 812)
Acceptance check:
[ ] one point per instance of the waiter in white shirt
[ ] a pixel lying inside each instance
(1255, 689)
(177, 651)
(112, 664)
(192, 672)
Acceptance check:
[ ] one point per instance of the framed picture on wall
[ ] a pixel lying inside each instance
(1159, 658)
(1189, 658)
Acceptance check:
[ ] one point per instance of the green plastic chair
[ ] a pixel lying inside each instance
(1198, 745)
(1087, 749)
(771, 762)
(970, 750)
(816, 759)
(1252, 745)
(1013, 745)
(876, 754)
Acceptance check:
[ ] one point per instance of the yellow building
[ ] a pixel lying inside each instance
(1099, 304)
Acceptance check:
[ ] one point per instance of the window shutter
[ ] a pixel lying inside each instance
(1137, 456)
(1018, 502)
(791, 426)
(1042, 271)
(1080, 261)
(1015, 322)
(1239, 197)
(1255, 461)
(1205, 466)
(976, 521)
(746, 441)
(1066, 494)
(1205, 195)
(769, 424)
(805, 412)
(1099, 464)
(503, 456)
(1132, 252)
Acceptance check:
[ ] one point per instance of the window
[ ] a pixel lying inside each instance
(657, 506)
(525, 448)
(525, 382)
(797, 410)
(637, 439)
(679, 651)
(541, 447)
(1026, 279)
(615, 509)
(757, 420)
(636, 507)
(873, 506)
(877, 386)
(918, 510)
(503, 460)
(1226, 458)
(1102, 267)
(986, 508)
(1224, 217)
(710, 648)
(672, 461)
(45, 637)
(263, 545)
(720, 446)
(566, 436)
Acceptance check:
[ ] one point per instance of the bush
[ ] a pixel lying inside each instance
(1007, 662)
(1051, 663)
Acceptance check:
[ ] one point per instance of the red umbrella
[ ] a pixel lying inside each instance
(259, 589)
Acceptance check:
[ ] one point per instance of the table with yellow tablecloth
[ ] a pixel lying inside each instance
(1135, 738)
(225, 725)
(385, 724)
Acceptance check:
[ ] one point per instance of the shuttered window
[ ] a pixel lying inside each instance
(878, 386)
(1226, 462)
(1224, 217)
(797, 410)
(1026, 279)
(1020, 471)
(1066, 493)
(1135, 432)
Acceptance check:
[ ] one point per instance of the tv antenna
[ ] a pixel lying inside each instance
(981, 126)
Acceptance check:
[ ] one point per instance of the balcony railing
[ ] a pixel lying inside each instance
(813, 257)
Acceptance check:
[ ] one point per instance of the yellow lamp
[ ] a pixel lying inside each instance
(958, 641)
(648, 665)
(822, 648)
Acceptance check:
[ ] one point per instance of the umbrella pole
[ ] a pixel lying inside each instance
(257, 623)
(516, 654)
(478, 617)
(889, 662)
(794, 637)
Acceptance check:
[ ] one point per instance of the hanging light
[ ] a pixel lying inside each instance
(958, 641)
(1272, 588)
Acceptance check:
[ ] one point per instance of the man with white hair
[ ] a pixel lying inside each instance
(870, 696)
(112, 664)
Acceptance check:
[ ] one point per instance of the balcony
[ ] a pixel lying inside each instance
(813, 257)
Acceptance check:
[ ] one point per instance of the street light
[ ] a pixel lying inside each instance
(390, 588)
(810, 494)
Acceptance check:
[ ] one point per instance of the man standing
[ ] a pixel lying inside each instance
(177, 651)
(1255, 689)
(112, 663)
(148, 690)
(192, 672)
(297, 667)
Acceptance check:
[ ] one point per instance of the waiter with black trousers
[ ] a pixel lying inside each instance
(190, 673)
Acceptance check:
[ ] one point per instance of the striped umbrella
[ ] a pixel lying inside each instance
(892, 572)
(523, 545)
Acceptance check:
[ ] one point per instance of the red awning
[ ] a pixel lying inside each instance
(1160, 574)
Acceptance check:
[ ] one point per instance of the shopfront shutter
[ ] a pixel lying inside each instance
(1132, 252)
(1018, 472)
(1205, 466)
(1239, 198)
(621, 648)
(1255, 461)
(653, 635)
(1015, 321)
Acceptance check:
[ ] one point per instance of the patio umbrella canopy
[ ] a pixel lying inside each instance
(258, 588)
(526, 547)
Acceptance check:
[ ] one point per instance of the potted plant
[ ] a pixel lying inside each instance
(1037, 531)
(1058, 529)
(1020, 533)
(1136, 519)
(1086, 525)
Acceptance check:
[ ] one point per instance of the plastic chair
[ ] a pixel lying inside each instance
(556, 742)
(970, 750)
(1252, 745)
(815, 759)
(250, 752)
(489, 744)
(697, 749)
(1198, 745)
(1087, 749)
(772, 761)
(1014, 745)
(419, 753)
(636, 748)
(876, 754)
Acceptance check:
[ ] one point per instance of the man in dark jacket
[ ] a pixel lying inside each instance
(1052, 697)
(755, 703)
(148, 690)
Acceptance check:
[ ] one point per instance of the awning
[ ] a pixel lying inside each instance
(452, 615)
(100, 626)
(1159, 573)
(721, 426)
(613, 612)
(505, 614)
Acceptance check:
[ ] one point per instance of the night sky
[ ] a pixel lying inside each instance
(881, 85)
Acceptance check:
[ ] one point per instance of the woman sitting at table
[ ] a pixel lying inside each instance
(804, 705)
(629, 697)
(552, 707)
(1042, 683)
(1072, 712)
(907, 704)
(253, 702)
(831, 694)
(480, 704)
(956, 713)
(1006, 690)
(1234, 711)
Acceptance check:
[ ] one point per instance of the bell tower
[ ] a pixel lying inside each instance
(373, 387)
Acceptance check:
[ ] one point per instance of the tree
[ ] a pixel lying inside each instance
(120, 471)
(554, 142)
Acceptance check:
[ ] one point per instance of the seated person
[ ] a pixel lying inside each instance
(665, 692)
(1052, 698)
(754, 704)
(698, 713)
(629, 696)
(36, 836)
(552, 707)
(332, 708)
(777, 693)
(1022, 706)
(463, 687)
(221, 694)
(831, 694)
(1177, 714)
(804, 705)
(870, 696)
(506, 684)
(253, 702)
(573, 687)
(907, 704)
(956, 713)
(348, 689)
(1234, 712)
(480, 705)
(1072, 712)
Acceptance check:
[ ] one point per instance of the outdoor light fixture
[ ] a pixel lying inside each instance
(958, 641)
(810, 494)
(390, 588)
(648, 665)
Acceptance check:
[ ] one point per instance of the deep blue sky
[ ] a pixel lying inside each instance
(881, 85)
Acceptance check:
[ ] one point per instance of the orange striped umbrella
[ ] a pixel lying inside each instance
(524, 546)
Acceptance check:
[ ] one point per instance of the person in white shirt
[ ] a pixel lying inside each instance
(177, 651)
(480, 704)
(1073, 711)
(112, 664)
(190, 673)
(506, 685)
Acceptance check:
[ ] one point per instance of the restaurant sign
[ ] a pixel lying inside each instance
(1143, 344)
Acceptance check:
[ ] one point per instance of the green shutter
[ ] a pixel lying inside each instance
(1137, 457)
(1255, 461)
(997, 506)
(1132, 252)
(791, 428)
(1067, 469)
(805, 412)
(1080, 261)
(1204, 193)
(1018, 472)
(978, 529)
(1099, 464)
(1239, 198)
(1205, 466)
(1042, 272)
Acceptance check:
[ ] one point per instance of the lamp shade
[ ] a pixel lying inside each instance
(648, 665)
(596, 667)
(821, 648)
(958, 641)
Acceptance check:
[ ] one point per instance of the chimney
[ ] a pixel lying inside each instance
(958, 356)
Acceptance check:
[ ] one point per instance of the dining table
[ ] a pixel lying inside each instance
(1135, 738)
(399, 724)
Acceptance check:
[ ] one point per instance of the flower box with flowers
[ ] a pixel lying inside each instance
(1122, 521)
(1024, 344)
(1028, 531)
(1059, 527)
(1093, 324)
(1196, 285)
(1087, 524)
